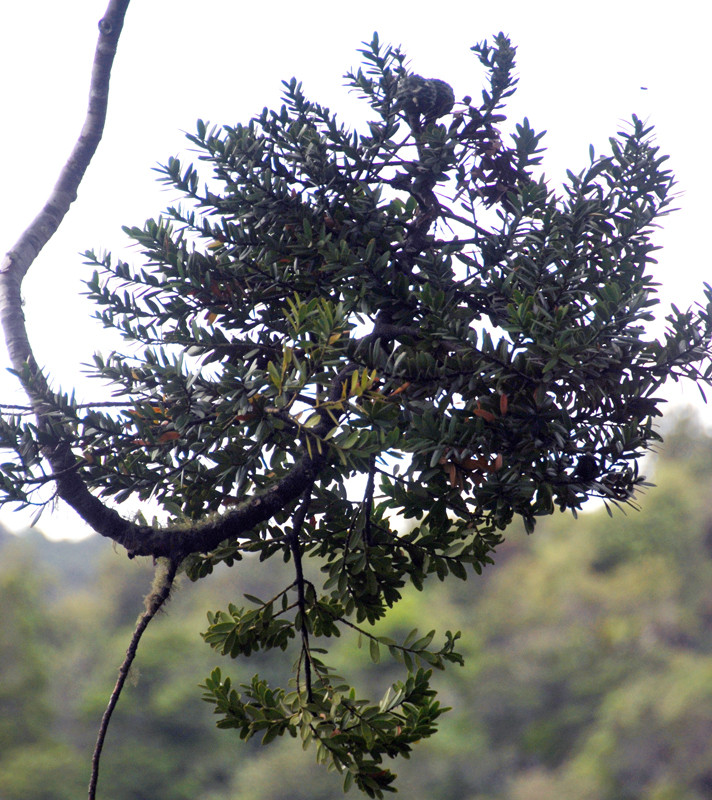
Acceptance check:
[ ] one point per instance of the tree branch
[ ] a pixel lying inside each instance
(137, 539)
(18, 260)
(296, 548)
(178, 541)
(160, 592)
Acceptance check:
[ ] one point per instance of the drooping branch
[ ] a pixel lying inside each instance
(161, 590)
(137, 539)
(16, 263)
(18, 260)
(178, 541)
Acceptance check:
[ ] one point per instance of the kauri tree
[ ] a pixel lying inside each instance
(365, 353)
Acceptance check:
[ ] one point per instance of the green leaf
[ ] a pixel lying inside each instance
(375, 651)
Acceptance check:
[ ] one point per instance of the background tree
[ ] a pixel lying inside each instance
(412, 304)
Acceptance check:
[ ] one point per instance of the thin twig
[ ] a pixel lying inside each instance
(296, 548)
(368, 500)
(153, 602)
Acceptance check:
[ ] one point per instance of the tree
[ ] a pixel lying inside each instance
(413, 306)
(31, 749)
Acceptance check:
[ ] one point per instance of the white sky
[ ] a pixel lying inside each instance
(581, 69)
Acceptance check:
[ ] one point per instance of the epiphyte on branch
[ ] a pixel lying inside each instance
(429, 98)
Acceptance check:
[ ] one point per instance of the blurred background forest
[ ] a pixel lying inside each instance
(588, 669)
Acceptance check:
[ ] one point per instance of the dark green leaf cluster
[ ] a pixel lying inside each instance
(368, 352)
(349, 734)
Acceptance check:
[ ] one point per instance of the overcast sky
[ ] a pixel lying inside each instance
(583, 69)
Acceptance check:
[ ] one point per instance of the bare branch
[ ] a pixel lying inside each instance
(18, 260)
(296, 548)
(160, 592)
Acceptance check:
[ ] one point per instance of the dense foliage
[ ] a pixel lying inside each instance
(414, 305)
